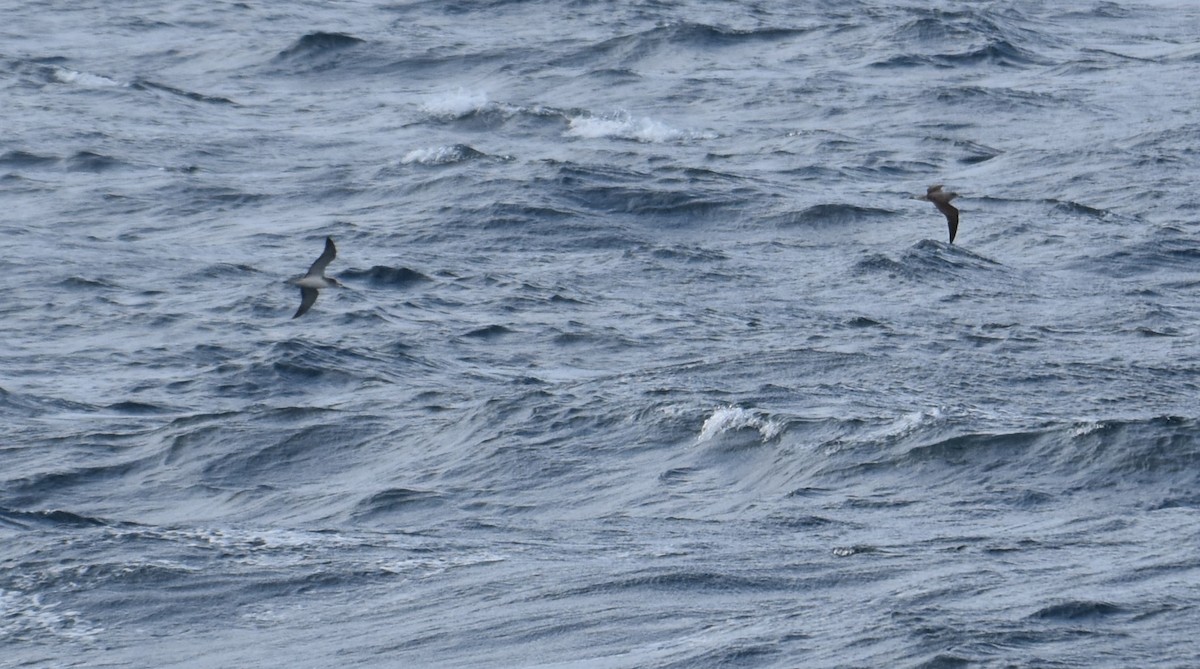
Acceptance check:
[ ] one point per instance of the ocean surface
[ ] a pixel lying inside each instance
(646, 355)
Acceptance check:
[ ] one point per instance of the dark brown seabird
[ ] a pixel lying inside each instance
(941, 200)
(315, 279)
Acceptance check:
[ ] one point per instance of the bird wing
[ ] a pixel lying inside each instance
(307, 297)
(318, 267)
(951, 216)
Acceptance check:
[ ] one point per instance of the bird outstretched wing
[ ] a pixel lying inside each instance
(307, 297)
(327, 256)
(951, 213)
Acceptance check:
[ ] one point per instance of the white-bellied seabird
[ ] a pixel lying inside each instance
(941, 200)
(315, 279)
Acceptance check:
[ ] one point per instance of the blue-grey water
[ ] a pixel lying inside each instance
(647, 357)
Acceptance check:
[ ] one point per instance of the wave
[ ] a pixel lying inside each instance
(17, 158)
(393, 500)
(1005, 39)
(65, 75)
(317, 44)
(146, 85)
(593, 339)
(30, 617)
(992, 99)
(704, 36)
(689, 254)
(474, 110)
(193, 197)
(1157, 456)
(58, 519)
(37, 489)
(688, 579)
(692, 194)
(457, 103)
(930, 261)
(832, 214)
(88, 161)
(622, 125)
(381, 276)
(1168, 249)
(999, 53)
(442, 155)
(305, 452)
(79, 282)
(1078, 610)
(488, 332)
(625, 52)
(39, 72)
(732, 419)
(59, 74)
(318, 52)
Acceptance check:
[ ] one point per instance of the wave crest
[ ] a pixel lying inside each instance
(622, 125)
(318, 43)
(732, 419)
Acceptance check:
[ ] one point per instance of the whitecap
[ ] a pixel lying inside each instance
(27, 616)
(456, 104)
(1084, 428)
(67, 76)
(905, 424)
(732, 418)
(439, 155)
(622, 125)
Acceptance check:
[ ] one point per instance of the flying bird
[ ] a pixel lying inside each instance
(941, 200)
(315, 279)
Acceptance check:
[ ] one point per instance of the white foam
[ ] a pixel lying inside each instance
(456, 104)
(66, 76)
(27, 616)
(622, 125)
(731, 419)
(905, 424)
(1083, 429)
(437, 155)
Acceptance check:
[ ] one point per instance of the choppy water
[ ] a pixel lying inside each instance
(646, 357)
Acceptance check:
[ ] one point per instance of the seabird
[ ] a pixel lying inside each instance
(315, 279)
(941, 200)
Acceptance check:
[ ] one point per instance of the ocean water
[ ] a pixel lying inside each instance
(646, 357)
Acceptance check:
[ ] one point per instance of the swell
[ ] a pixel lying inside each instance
(998, 52)
(151, 86)
(629, 50)
(317, 47)
(836, 214)
(690, 195)
(56, 519)
(1155, 461)
(934, 38)
(935, 263)
(1168, 249)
